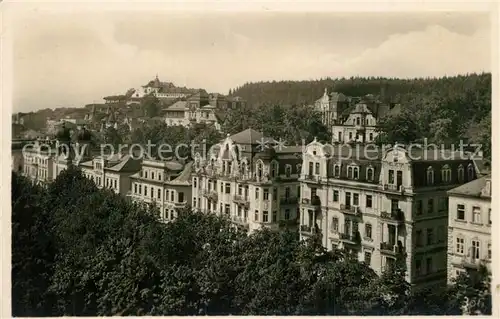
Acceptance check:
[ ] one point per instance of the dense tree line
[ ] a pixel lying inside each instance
(81, 251)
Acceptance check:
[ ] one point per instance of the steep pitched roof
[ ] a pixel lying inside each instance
(184, 177)
(248, 136)
(127, 164)
(177, 106)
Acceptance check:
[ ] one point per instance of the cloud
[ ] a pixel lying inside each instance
(73, 60)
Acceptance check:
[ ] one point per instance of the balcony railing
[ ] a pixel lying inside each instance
(315, 201)
(307, 229)
(311, 178)
(350, 238)
(180, 204)
(391, 248)
(212, 194)
(396, 215)
(289, 200)
(241, 199)
(351, 210)
(394, 188)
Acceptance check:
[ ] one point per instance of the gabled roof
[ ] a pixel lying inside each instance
(248, 136)
(184, 177)
(473, 188)
(177, 106)
(127, 164)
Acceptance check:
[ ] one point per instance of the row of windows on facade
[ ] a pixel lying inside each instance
(474, 251)
(429, 266)
(446, 174)
(225, 188)
(476, 216)
(168, 193)
(241, 212)
(430, 240)
(145, 174)
(352, 171)
(370, 136)
(109, 182)
(227, 168)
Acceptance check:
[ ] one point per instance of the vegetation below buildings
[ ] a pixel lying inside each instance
(81, 251)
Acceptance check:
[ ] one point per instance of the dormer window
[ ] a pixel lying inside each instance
(470, 172)
(288, 170)
(349, 172)
(446, 174)
(369, 174)
(460, 172)
(430, 176)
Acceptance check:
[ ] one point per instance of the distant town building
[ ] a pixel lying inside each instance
(382, 206)
(249, 180)
(469, 226)
(162, 90)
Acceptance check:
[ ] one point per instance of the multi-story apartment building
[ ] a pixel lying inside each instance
(38, 161)
(469, 226)
(166, 184)
(198, 108)
(382, 205)
(249, 180)
(113, 172)
(329, 106)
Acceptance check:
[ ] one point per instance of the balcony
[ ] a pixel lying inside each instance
(210, 194)
(240, 220)
(391, 248)
(394, 189)
(396, 216)
(307, 230)
(240, 199)
(314, 201)
(353, 239)
(350, 210)
(471, 263)
(289, 200)
(180, 204)
(310, 178)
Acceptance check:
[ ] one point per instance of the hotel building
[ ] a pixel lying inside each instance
(382, 206)
(250, 180)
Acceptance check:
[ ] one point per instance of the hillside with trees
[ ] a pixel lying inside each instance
(81, 251)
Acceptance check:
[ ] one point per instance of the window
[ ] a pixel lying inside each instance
(460, 245)
(228, 188)
(440, 234)
(358, 121)
(446, 174)
(287, 214)
(288, 170)
(172, 194)
(195, 182)
(135, 188)
(476, 214)
(489, 216)
(222, 187)
(145, 191)
(287, 192)
(275, 216)
(316, 168)
(349, 172)
(227, 210)
(429, 265)
(265, 216)
(152, 175)
(368, 258)
(430, 176)
(489, 251)
(335, 195)
(256, 193)
(419, 238)
(158, 193)
(152, 192)
(470, 172)
(369, 201)
(460, 172)
(355, 200)
(391, 176)
(310, 168)
(443, 204)
(259, 170)
(256, 216)
(299, 168)
(460, 212)
(274, 170)
(368, 230)
(195, 203)
(476, 251)
(356, 173)
(145, 174)
(336, 171)
(430, 206)
(266, 194)
(275, 193)
(369, 174)
(335, 224)
(419, 207)
(418, 267)
(181, 197)
(430, 236)
(350, 135)
(115, 183)
(159, 176)
(140, 189)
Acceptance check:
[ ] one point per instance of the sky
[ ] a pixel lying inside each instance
(75, 58)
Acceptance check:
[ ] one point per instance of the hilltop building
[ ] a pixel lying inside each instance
(382, 206)
(162, 90)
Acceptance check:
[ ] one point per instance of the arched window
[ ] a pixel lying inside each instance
(369, 174)
(259, 170)
(470, 172)
(356, 173)
(288, 170)
(349, 172)
(371, 136)
(430, 176)
(460, 172)
(446, 174)
(337, 170)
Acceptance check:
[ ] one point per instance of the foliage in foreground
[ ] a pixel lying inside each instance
(80, 251)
